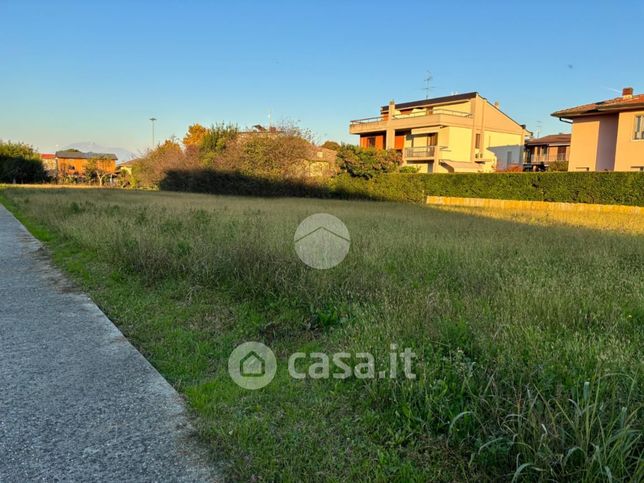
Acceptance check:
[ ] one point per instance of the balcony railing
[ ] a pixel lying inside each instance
(368, 120)
(544, 158)
(422, 152)
(429, 112)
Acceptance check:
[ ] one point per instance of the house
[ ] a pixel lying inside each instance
(458, 133)
(74, 163)
(607, 135)
(50, 164)
(548, 149)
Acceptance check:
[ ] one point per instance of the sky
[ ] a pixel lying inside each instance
(97, 71)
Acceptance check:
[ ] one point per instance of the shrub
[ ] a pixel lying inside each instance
(20, 163)
(558, 166)
(278, 154)
(215, 140)
(408, 169)
(331, 145)
(605, 188)
(367, 162)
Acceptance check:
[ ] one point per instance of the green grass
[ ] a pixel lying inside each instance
(529, 338)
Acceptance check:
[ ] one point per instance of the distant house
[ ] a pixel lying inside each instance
(607, 135)
(547, 149)
(50, 164)
(458, 133)
(74, 163)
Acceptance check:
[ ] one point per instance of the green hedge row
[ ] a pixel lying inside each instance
(605, 188)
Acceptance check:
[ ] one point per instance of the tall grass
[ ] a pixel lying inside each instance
(528, 337)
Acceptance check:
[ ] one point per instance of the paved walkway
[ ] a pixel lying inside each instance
(77, 401)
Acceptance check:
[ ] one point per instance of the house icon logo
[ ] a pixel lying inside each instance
(252, 365)
(322, 241)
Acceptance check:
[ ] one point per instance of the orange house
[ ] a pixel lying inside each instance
(74, 163)
(607, 135)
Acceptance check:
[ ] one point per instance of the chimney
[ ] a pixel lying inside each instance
(496, 104)
(627, 92)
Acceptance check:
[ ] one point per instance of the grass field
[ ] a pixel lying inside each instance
(529, 331)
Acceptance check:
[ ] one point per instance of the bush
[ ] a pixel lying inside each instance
(215, 140)
(367, 162)
(276, 154)
(558, 166)
(20, 163)
(605, 188)
(331, 145)
(213, 181)
(408, 169)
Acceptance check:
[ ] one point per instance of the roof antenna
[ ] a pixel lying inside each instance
(428, 84)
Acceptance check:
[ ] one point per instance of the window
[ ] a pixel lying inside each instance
(561, 153)
(477, 141)
(508, 157)
(371, 142)
(639, 127)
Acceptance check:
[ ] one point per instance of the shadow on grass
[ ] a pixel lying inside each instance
(234, 183)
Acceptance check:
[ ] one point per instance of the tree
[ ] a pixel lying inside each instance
(20, 163)
(195, 135)
(151, 168)
(214, 142)
(367, 162)
(94, 170)
(331, 145)
(282, 153)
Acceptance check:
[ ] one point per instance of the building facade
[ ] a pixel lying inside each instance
(548, 149)
(73, 163)
(607, 135)
(459, 133)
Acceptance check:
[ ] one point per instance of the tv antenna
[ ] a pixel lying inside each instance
(428, 84)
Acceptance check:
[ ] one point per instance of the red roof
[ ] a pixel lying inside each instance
(623, 103)
(47, 156)
(549, 140)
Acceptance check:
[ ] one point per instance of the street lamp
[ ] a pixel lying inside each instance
(153, 119)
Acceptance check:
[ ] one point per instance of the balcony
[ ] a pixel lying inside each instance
(431, 117)
(544, 158)
(419, 153)
(436, 111)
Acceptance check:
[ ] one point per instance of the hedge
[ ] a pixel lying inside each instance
(624, 188)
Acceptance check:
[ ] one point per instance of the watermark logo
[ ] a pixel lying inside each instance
(322, 241)
(252, 365)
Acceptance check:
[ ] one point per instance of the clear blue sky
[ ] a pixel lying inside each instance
(96, 71)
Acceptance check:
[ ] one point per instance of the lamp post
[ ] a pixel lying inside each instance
(153, 119)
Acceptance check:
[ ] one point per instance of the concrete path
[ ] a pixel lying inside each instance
(77, 401)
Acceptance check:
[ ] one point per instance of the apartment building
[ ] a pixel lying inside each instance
(458, 133)
(607, 135)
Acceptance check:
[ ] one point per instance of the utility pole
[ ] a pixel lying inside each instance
(153, 119)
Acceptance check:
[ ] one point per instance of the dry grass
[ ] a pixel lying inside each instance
(529, 333)
(615, 222)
